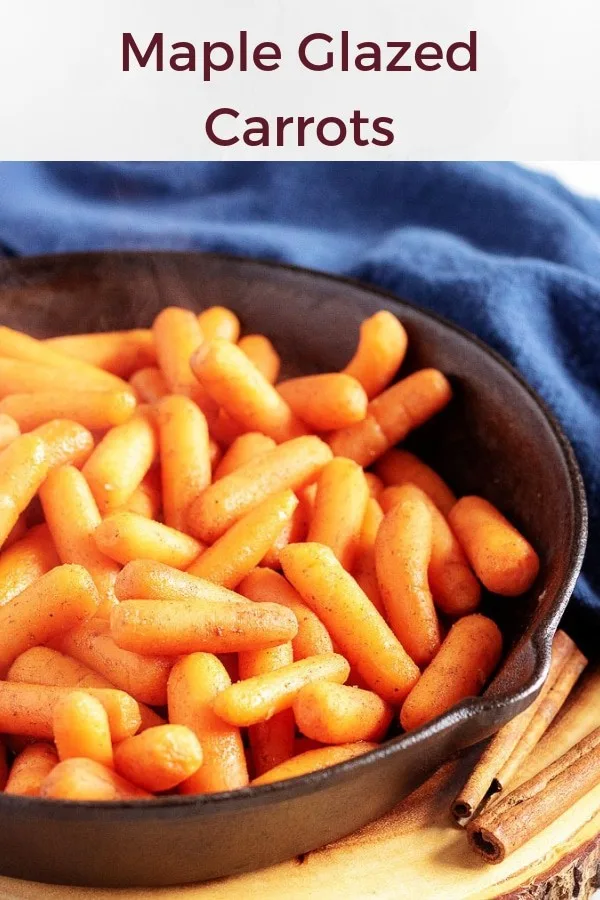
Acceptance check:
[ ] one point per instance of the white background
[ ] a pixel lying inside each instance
(583, 177)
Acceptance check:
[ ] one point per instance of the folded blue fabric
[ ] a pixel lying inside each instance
(507, 253)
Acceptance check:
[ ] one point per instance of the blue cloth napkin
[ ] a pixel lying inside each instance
(509, 254)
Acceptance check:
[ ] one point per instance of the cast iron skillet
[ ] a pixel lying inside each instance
(496, 439)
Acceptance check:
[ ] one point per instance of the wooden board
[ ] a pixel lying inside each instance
(415, 852)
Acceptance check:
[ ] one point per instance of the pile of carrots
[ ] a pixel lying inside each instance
(201, 585)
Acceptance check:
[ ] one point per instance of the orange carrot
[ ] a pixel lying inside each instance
(392, 415)
(176, 627)
(351, 619)
(325, 402)
(73, 517)
(149, 384)
(313, 761)
(92, 409)
(146, 500)
(263, 585)
(9, 429)
(160, 758)
(177, 335)
(364, 569)
(336, 714)
(33, 764)
(119, 352)
(292, 465)
(67, 443)
(58, 601)
(380, 352)
(18, 531)
(294, 531)
(124, 536)
(244, 448)
(23, 468)
(194, 683)
(504, 561)
(185, 456)
(81, 728)
(145, 579)
(402, 555)
(398, 467)
(467, 658)
(340, 504)
(25, 561)
(262, 354)
(241, 548)
(87, 780)
(375, 485)
(219, 322)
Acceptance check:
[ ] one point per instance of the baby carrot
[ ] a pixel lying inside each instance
(354, 624)
(219, 322)
(243, 546)
(258, 698)
(87, 780)
(325, 402)
(294, 530)
(92, 409)
(364, 569)
(149, 384)
(336, 714)
(80, 725)
(244, 448)
(160, 758)
(57, 602)
(27, 709)
(145, 579)
(25, 561)
(185, 456)
(18, 531)
(67, 443)
(263, 585)
(193, 685)
(144, 677)
(119, 352)
(124, 536)
(30, 768)
(504, 561)
(292, 465)
(392, 415)
(242, 391)
(271, 742)
(177, 335)
(146, 500)
(381, 349)
(313, 761)
(468, 656)
(398, 467)
(402, 555)
(262, 354)
(340, 504)
(375, 485)
(23, 468)
(72, 517)
(9, 429)
(120, 461)
(176, 627)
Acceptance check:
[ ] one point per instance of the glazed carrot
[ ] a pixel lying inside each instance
(27, 709)
(72, 517)
(336, 714)
(354, 624)
(67, 443)
(30, 768)
(402, 555)
(392, 415)
(294, 531)
(313, 761)
(263, 585)
(468, 656)
(124, 536)
(292, 465)
(258, 698)
(80, 725)
(364, 569)
(25, 561)
(18, 531)
(177, 335)
(398, 467)
(262, 354)
(271, 742)
(219, 322)
(375, 485)
(144, 677)
(501, 557)
(145, 579)
(23, 468)
(325, 402)
(160, 758)
(85, 779)
(149, 384)
(175, 627)
(9, 429)
(340, 504)
(244, 448)
(243, 546)
(92, 409)
(381, 349)
(146, 500)
(119, 352)
(120, 461)
(454, 588)
(185, 456)
(194, 683)
(56, 602)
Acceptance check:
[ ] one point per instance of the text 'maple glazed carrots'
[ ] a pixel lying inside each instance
(203, 586)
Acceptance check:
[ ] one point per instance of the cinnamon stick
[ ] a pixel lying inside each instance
(484, 778)
(526, 811)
